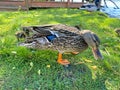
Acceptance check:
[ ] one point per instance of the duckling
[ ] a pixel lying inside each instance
(27, 30)
(19, 35)
(64, 39)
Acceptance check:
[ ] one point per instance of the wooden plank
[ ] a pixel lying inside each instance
(12, 3)
(30, 4)
(49, 4)
(56, 4)
(8, 8)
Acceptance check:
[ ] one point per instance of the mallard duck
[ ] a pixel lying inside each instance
(64, 39)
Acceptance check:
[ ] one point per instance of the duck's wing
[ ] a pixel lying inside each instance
(66, 28)
(59, 29)
(41, 31)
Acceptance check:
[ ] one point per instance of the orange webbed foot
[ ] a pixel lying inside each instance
(62, 61)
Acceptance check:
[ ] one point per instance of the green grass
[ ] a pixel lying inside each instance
(25, 69)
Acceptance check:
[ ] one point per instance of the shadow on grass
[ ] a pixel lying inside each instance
(56, 77)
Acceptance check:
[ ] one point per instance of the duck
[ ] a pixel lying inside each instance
(62, 38)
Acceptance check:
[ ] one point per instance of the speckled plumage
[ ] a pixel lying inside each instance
(70, 44)
(67, 38)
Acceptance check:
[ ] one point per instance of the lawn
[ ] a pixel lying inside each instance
(26, 69)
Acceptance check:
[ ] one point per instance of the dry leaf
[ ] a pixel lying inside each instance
(89, 61)
(39, 72)
(31, 64)
(14, 52)
(48, 66)
(94, 67)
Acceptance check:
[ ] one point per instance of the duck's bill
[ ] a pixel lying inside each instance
(97, 54)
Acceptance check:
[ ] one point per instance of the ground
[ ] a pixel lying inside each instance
(26, 69)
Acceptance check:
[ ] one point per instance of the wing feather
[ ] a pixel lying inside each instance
(59, 29)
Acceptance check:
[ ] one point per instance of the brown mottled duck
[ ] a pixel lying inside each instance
(64, 39)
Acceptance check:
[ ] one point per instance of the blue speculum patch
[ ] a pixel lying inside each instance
(51, 37)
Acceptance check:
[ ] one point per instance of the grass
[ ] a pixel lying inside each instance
(25, 69)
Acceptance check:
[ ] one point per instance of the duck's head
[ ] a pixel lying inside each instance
(27, 30)
(93, 41)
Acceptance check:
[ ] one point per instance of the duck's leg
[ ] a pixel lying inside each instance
(61, 61)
